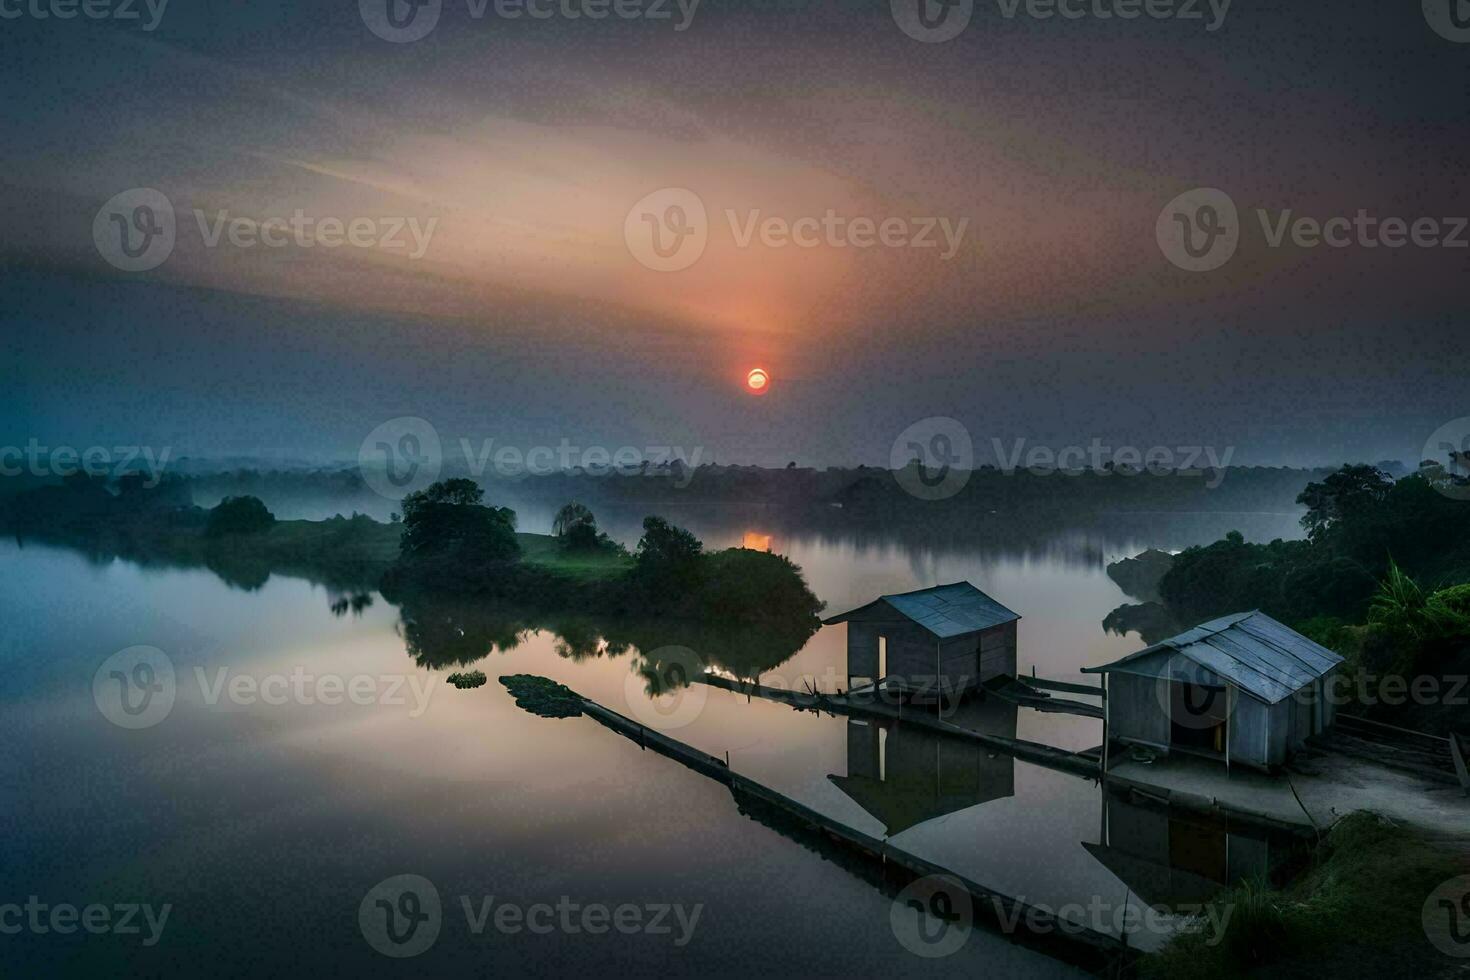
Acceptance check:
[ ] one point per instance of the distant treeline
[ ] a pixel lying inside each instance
(861, 490)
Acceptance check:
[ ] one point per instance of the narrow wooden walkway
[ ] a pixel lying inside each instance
(1101, 951)
(872, 706)
(1024, 692)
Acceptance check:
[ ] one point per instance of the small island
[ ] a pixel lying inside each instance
(467, 581)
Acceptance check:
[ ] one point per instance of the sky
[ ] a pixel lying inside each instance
(593, 228)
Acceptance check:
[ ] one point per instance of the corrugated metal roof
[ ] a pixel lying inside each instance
(1250, 650)
(944, 610)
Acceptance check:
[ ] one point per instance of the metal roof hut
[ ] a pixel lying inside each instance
(944, 640)
(1242, 688)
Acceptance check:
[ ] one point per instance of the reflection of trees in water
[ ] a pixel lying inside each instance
(1152, 621)
(457, 633)
(355, 603)
(445, 633)
(1084, 540)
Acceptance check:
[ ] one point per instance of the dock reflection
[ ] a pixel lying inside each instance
(904, 775)
(1170, 858)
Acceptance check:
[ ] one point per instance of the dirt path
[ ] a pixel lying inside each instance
(1332, 785)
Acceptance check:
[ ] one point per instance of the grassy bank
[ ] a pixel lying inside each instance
(1357, 911)
(545, 551)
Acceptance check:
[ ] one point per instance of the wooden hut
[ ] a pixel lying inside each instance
(1243, 689)
(938, 642)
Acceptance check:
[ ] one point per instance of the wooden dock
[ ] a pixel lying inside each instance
(1027, 693)
(872, 706)
(1020, 922)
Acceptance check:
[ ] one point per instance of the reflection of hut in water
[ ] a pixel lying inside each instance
(905, 775)
(953, 637)
(1168, 858)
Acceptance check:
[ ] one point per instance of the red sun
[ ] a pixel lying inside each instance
(758, 381)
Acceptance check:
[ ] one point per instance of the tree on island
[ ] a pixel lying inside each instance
(448, 521)
(575, 527)
(667, 564)
(239, 515)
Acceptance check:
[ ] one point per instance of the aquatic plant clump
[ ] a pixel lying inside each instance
(469, 679)
(542, 696)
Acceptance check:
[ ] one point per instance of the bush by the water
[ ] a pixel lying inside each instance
(468, 679)
(1355, 912)
(239, 515)
(543, 697)
(1357, 521)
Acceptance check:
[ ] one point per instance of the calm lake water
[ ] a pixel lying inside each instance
(264, 820)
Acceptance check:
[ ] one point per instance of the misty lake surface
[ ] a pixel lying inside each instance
(264, 821)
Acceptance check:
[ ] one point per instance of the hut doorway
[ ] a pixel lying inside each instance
(1198, 717)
